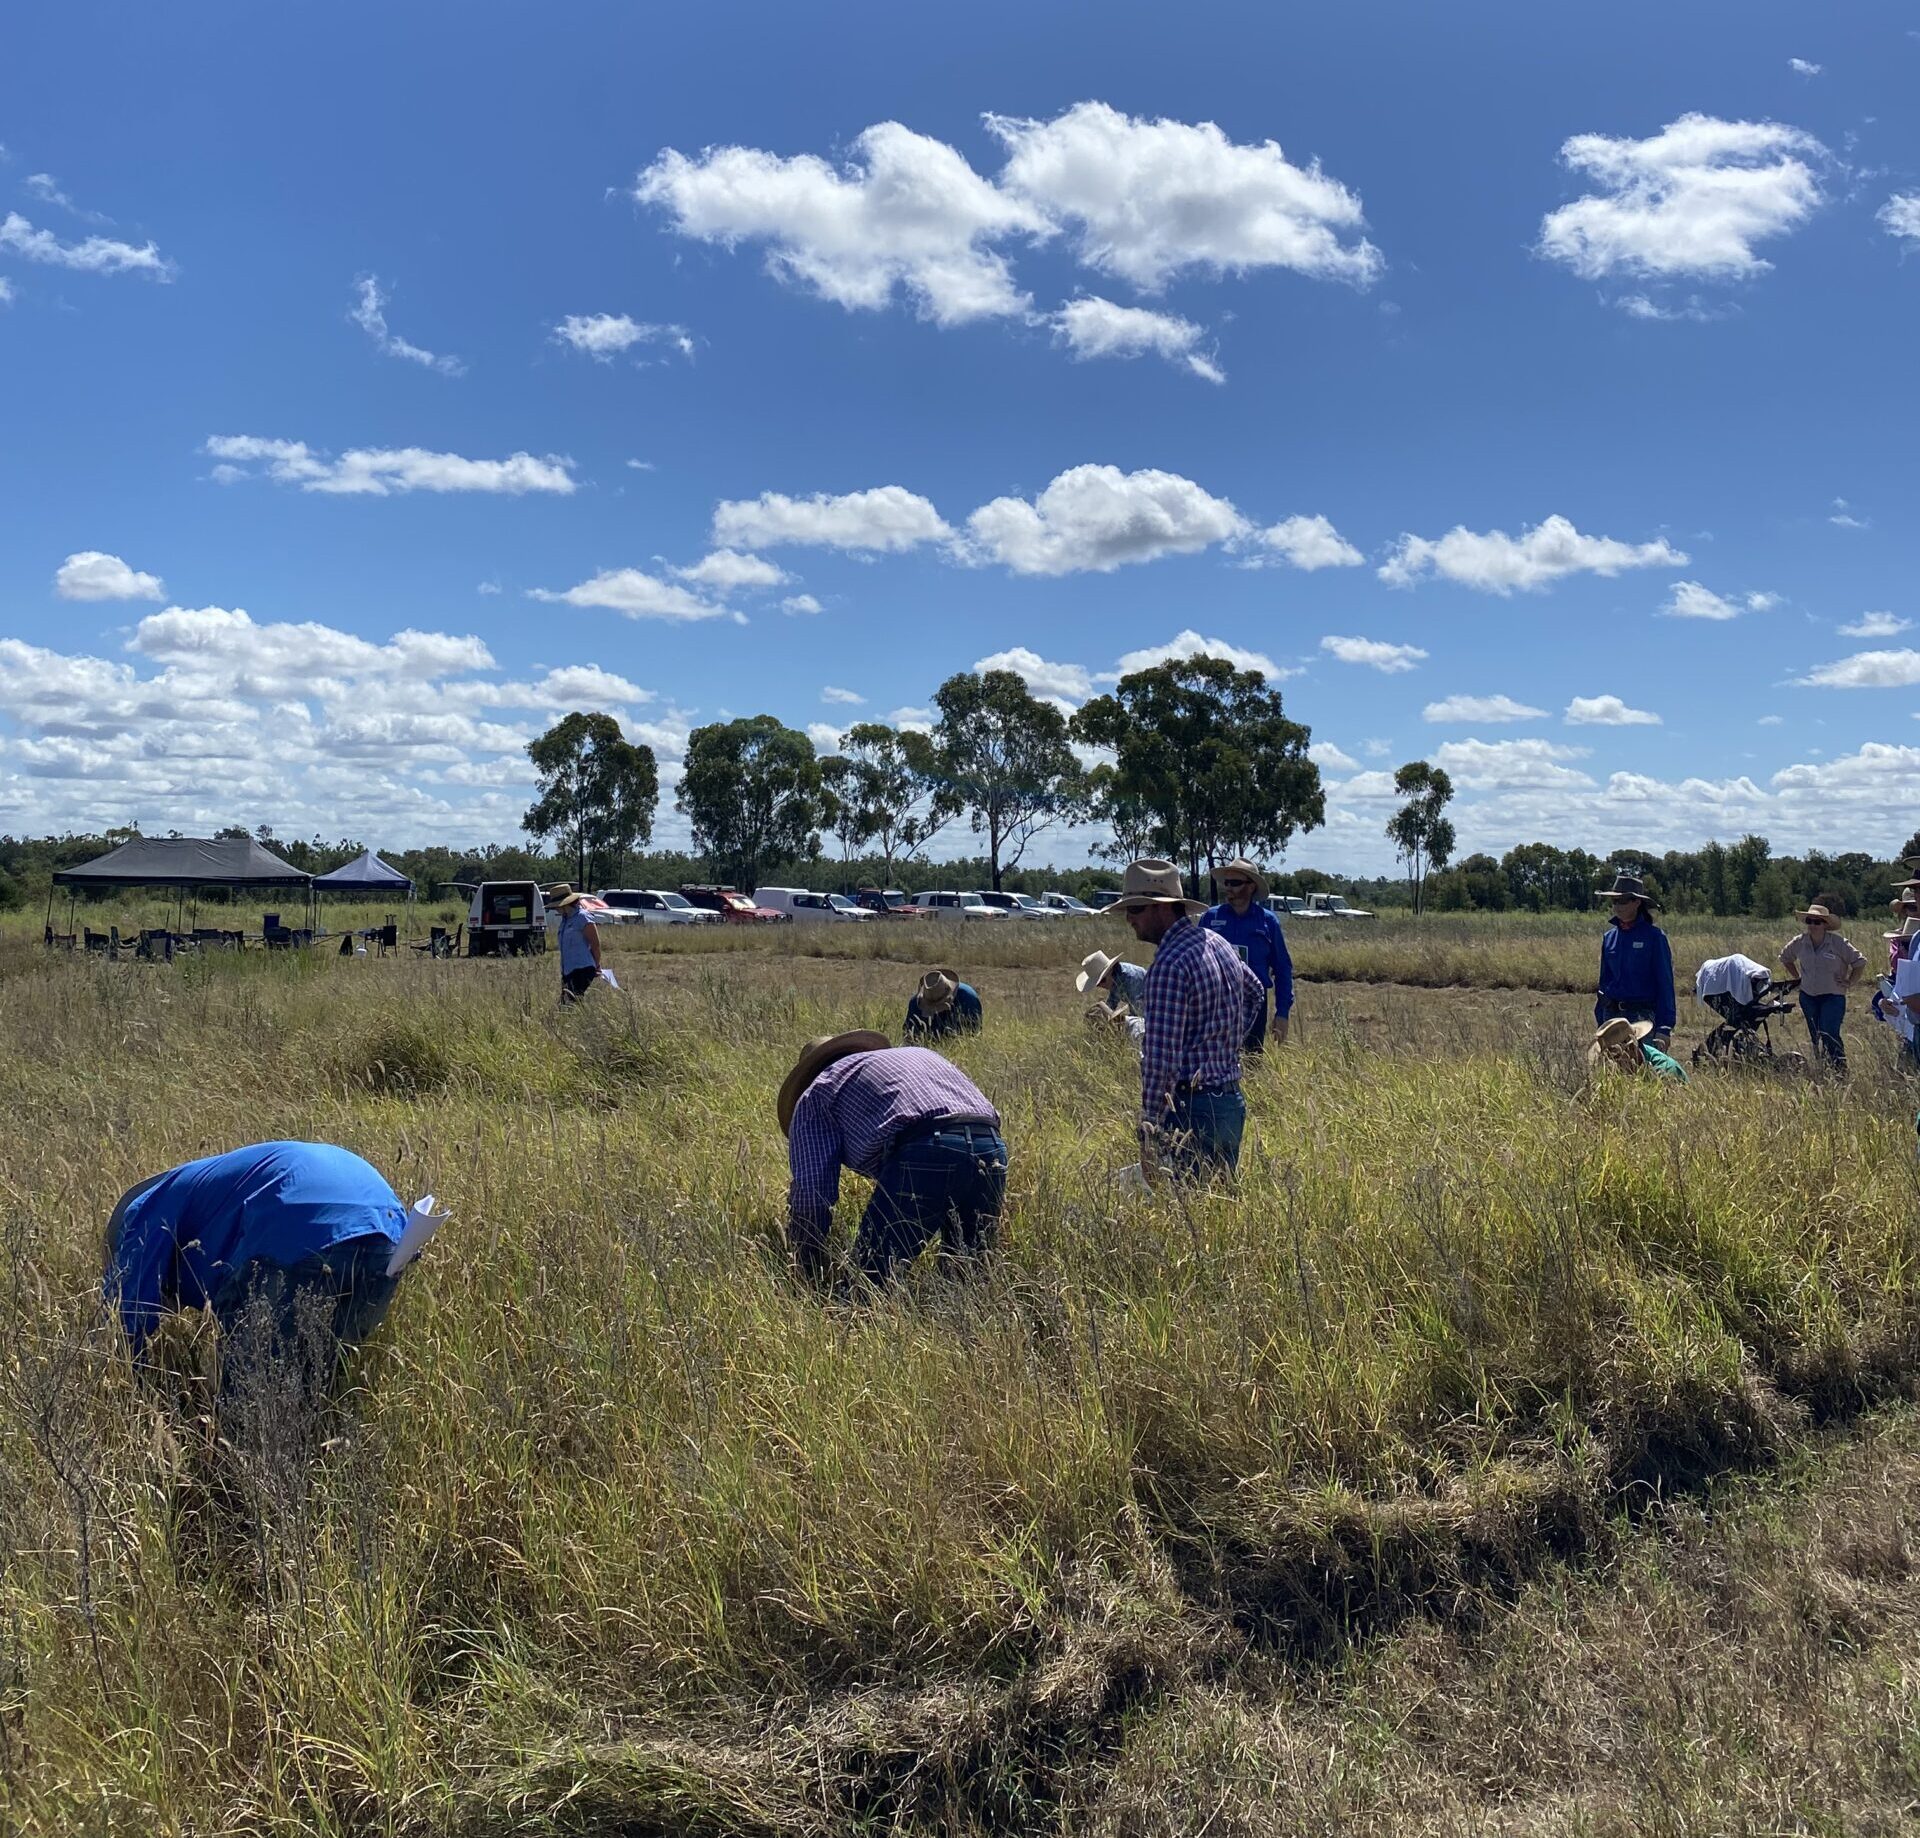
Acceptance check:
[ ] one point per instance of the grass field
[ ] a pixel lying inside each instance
(624, 1532)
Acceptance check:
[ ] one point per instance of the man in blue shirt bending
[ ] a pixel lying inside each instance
(1246, 923)
(942, 1005)
(1636, 963)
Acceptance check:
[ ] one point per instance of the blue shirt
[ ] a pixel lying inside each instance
(963, 1017)
(575, 952)
(1256, 935)
(1128, 989)
(180, 1236)
(1636, 971)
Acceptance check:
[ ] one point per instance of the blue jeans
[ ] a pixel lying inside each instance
(1824, 1015)
(948, 1182)
(288, 1325)
(1200, 1138)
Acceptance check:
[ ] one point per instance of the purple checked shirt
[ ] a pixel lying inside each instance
(1201, 1000)
(852, 1114)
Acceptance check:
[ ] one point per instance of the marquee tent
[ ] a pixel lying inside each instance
(185, 863)
(366, 873)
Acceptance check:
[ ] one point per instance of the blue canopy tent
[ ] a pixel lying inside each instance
(366, 876)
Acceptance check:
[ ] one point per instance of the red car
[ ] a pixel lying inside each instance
(733, 906)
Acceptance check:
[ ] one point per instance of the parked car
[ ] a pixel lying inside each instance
(886, 903)
(1291, 906)
(1018, 905)
(804, 906)
(1334, 906)
(1056, 902)
(732, 906)
(956, 906)
(506, 919)
(653, 906)
(1105, 898)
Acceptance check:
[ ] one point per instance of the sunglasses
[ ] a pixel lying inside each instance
(1813, 925)
(1234, 881)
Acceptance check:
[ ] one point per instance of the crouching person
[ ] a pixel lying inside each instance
(1627, 1046)
(943, 1005)
(914, 1125)
(293, 1246)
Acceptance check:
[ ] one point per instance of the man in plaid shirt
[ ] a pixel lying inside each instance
(1201, 1001)
(916, 1126)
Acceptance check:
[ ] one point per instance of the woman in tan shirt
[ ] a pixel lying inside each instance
(1827, 967)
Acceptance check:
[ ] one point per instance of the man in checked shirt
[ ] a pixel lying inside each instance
(916, 1126)
(1201, 1001)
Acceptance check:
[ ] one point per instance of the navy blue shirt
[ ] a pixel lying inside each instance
(1256, 935)
(1636, 971)
(962, 1018)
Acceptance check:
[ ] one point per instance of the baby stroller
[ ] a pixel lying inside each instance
(1746, 998)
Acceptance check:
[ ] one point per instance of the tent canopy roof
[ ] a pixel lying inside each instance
(365, 873)
(184, 861)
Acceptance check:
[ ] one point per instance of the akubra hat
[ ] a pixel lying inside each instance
(1246, 868)
(1093, 970)
(1627, 887)
(1612, 1035)
(560, 896)
(815, 1057)
(1816, 911)
(1154, 883)
(938, 989)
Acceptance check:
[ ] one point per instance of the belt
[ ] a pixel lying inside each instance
(970, 1127)
(1218, 1088)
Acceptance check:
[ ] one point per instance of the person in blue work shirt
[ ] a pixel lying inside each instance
(942, 1005)
(1245, 921)
(305, 1229)
(579, 941)
(1636, 963)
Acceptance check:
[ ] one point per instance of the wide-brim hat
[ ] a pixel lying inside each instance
(1627, 887)
(1093, 970)
(561, 895)
(1247, 868)
(938, 989)
(1154, 883)
(815, 1057)
(1912, 886)
(1909, 928)
(1609, 1036)
(1816, 911)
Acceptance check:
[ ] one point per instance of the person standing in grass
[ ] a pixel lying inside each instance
(1247, 923)
(579, 943)
(1201, 1001)
(943, 1005)
(1827, 966)
(1636, 962)
(913, 1124)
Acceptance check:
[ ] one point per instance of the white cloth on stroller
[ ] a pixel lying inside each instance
(1735, 976)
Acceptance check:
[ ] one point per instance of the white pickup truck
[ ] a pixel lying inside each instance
(1333, 906)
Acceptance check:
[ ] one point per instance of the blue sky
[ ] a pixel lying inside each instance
(1530, 391)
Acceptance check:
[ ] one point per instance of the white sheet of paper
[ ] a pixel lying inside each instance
(422, 1223)
(607, 976)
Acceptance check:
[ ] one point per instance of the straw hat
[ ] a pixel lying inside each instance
(1627, 887)
(1612, 1035)
(560, 896)
(1816, 911)
(1154, 883)
(1909, 928)
(937, 990)
(815, 1057)
(1247, 868)
(1093, 970)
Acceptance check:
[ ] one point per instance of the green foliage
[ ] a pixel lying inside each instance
(597, 792)
(752, 791)
(1205, 762)
(1420, 831)
(903, 791)
(1005, 759)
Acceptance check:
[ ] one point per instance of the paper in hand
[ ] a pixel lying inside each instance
(422, 1223)
(607, 976)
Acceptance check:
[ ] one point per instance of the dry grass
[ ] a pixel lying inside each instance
(626, 1533)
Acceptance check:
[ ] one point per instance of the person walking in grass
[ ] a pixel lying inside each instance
(1124, 987)
(913, 1124)
(579, 941)
(1201, 1000)
(1624, 1045)
(1636, 962)
(943, 1005)
(1247, 923)
(1827, 966)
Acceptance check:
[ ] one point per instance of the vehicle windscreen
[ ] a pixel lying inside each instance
(506, 906)
(674, 900)
(840, 903)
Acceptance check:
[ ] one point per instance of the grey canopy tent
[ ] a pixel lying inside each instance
(366, 873)
(185, 863)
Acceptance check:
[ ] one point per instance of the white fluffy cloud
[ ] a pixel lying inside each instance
(1844, 518)
(370, 315)
(1149, 199)
(6, 291)
(1801, 67)
(1093, 327)
(1866, 670)
(1479, 765)
(887, 519)
(1690, 600)
(824, 735)
(589, 686)
(636, 595)
(1189, 643)
(1330, 758)
(1308, 543)
(94, 575)
(848, 698)
(903, 212)
(91, 255)
(728, 571)
(1606, 712)
(381, 472)
(1495, 562)
(1071, 682)
(1097, 518)
(1875, 625)
(1480, 708)
(800, 604)
(603, 336)
(1690, 200)
(1900, 217)
(1376, 653)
